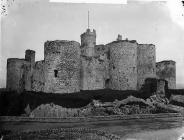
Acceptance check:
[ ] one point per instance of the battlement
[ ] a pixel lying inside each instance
(89, 32)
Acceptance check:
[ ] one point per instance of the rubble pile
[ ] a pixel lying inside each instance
(131, 105)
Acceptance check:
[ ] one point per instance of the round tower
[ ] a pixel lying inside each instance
(30, 56)
(167, 70)
(123, 65)
(88, 42)
(146, 63)
(62, 66)
(15, 74)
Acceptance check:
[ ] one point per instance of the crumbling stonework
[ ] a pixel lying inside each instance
(70, 67)
(123, 65)
(62, 66)
(146, 67)
(161, 85)
(167, 70)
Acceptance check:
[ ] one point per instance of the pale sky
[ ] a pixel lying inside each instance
(30, 23)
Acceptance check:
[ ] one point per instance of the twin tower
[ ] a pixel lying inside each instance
(69, 66)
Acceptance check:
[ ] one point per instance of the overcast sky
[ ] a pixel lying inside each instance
(30, 23)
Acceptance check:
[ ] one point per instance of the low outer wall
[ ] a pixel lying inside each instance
(87, 119)
(167, 70)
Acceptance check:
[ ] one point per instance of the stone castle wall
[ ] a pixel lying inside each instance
(101, 50)
(38, 76)
(70, 67)
(146, 63)
(167, 70)
(16, 74)
(62, 66)
(93, 73)
(123, 65)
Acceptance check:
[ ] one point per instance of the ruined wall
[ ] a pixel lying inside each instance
(167, 70)
(161, 86)
(62, 66)
(123, 65)
(88, 41)
(16, 74)
(94, 72)
(146, 63)
(38, 77)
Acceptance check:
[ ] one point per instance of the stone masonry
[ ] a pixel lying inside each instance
(123, 65)
(146, 66)
(16, 69)
(70, 67)
(167, 70)
(62, 66)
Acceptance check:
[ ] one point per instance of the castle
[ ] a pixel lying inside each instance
(69, 66)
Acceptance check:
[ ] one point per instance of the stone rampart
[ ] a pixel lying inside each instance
(62, 66)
